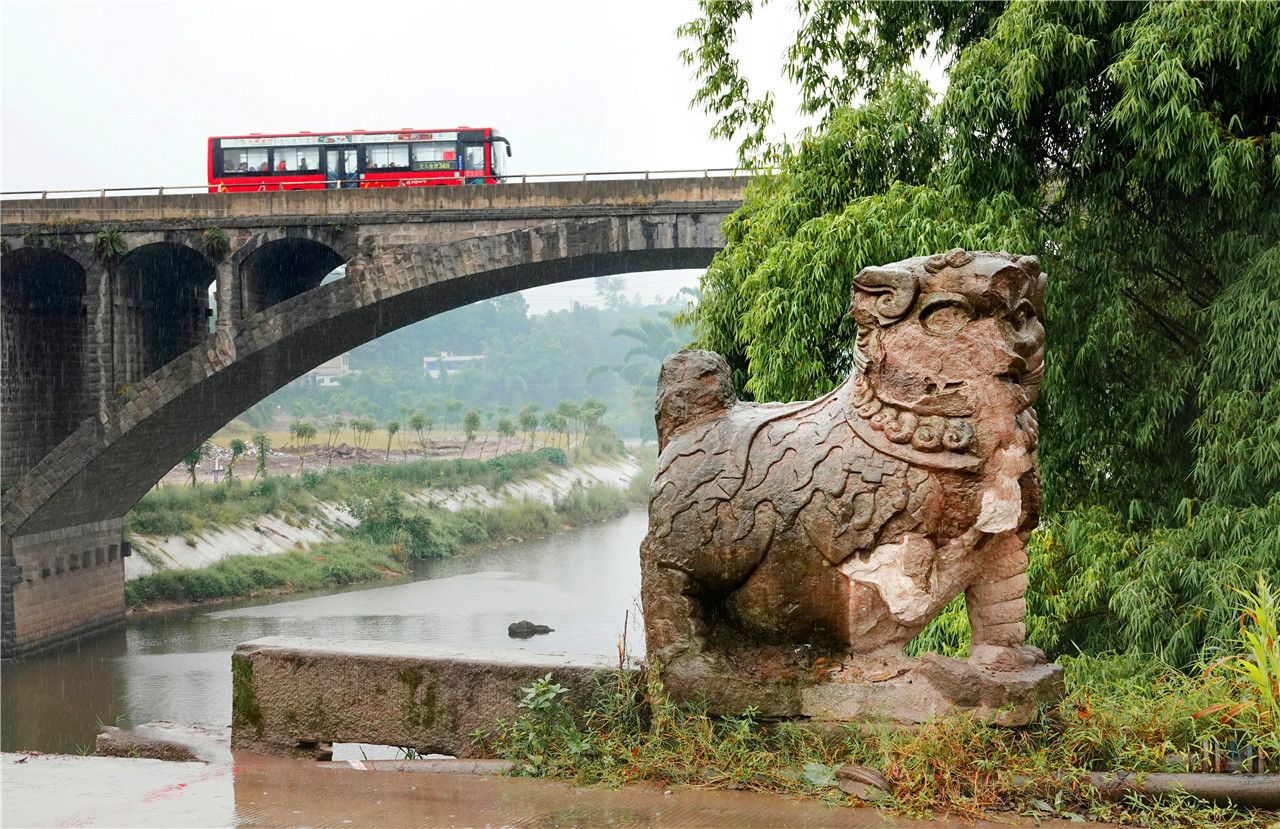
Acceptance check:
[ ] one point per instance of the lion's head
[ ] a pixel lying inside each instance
(952, 335)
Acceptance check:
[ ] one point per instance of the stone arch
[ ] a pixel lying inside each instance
(43, 385)
(101, 470)
(162, 302)
(281, 264)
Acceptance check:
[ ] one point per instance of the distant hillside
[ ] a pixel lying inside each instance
(610, 353)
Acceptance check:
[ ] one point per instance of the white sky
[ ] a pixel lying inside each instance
(117, 94)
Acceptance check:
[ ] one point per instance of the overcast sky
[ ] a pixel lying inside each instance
(117, 94)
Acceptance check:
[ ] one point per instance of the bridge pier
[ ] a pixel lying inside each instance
(59, 585)
(99, 346)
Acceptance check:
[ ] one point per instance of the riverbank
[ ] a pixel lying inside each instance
(282, 535)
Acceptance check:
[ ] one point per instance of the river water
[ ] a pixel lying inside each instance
(177, 666)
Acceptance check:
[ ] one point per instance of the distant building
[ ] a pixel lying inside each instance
(327, 373)
(447, 363)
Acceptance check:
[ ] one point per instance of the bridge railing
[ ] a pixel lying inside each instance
(509, 178)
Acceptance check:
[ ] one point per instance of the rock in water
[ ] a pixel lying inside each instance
(524, 629)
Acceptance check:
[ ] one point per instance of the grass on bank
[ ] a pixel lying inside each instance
(1122, 712)
(391, 533)
(189, 510)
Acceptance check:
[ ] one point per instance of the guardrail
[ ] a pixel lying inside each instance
(344, 184)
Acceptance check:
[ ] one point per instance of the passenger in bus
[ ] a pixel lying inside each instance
(302, 165)
(244, 167)
(264, 168)
(281, 166)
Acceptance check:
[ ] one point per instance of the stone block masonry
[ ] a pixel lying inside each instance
(61, 584)
(289, 695)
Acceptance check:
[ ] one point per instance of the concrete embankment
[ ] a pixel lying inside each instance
(273, 534)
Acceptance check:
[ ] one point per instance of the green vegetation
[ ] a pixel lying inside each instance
(332, 564)
(215, 242)
(391, 533)
(187, 510)
(1136, 148)
(1121, 712)
(608, 353)
(109, 246)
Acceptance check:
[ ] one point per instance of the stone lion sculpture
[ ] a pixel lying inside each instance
(795, 549)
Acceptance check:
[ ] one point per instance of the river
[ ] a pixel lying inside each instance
(177, 666)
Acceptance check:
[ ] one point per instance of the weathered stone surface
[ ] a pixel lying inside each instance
(934, 687)
(291, 694)
(794, 549)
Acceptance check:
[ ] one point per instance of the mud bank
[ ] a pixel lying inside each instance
(273, 534)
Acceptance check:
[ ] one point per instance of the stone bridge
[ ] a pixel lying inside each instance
(115, 365)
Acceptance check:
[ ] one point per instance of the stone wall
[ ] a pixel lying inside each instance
(42, 397)
(289, 695)
(61, 584)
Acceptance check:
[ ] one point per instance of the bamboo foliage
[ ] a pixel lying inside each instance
(1136, 148)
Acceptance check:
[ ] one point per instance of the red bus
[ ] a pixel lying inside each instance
(360, 158)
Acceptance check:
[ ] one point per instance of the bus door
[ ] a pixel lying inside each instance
(340, 167)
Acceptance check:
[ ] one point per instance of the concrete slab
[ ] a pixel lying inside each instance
(290, 694)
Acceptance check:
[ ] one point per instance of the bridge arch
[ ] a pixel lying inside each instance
(280, 264)
(109, 463)
(163, 300)
(43, 390)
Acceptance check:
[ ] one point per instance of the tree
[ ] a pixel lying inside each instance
(470, 423)
(453, 408)
(192, 459)
(404, 445)
(238, 448)
(302, 432)
(261, 449)
(613, 290)
(556, 422)
(332, 428)
(392, 427)
(364, 428)
(529, 421)
(592, 412)
(1136, 148)
(506, 428)
(421, 426)
(571, 414)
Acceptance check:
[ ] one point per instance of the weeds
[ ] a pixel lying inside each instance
(1122, 712)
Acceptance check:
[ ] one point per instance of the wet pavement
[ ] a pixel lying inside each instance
(258, 791)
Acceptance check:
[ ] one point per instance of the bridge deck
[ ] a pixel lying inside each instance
(300, 207)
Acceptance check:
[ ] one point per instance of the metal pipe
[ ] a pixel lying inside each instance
(1257, 791)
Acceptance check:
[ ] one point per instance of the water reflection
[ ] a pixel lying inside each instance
(176, 667)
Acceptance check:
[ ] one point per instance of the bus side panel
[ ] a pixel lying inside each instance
(250, 184)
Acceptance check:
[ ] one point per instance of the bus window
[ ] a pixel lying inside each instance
(251, 160)
(474, 157)
(296, 159)
(499, 159)
(435, 155)
(387, 156)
